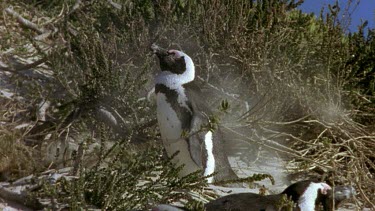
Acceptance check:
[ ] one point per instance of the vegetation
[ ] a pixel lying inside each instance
(78, 73)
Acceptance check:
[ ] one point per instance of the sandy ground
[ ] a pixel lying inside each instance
(9, 206)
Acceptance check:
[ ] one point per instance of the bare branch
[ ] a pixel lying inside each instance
(24, 22)
(24, 67)
(115, 5)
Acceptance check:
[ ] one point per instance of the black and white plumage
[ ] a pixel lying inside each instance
(181, 118)
(306, 195)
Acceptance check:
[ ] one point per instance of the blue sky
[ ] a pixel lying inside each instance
(365, 10)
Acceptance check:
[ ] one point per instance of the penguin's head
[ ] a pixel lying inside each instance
(307, 194)
(173, 61)
(336, 196)
(296, 190)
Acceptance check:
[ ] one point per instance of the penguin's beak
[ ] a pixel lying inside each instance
(160, 52)
(344, 192)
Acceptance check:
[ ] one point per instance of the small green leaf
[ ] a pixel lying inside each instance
(224, 105)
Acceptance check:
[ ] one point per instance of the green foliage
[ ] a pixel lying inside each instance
(224, 106)
(16, 160)
(136, 180)
(360, 74)
(195, 205)
(285, 204)
(128, 180)
(249, 180)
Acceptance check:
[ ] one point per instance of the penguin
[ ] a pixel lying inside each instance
(306, 195)
(182, 118)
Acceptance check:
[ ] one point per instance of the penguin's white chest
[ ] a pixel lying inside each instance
(171, 130)
(169, 123)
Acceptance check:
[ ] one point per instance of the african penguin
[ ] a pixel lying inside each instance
(305, 195)
(181, 118)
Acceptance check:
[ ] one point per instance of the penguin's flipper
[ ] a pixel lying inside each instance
(198, 121)
(196, 140)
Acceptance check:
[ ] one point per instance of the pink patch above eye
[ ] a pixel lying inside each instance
(175, 52)
(325, 188)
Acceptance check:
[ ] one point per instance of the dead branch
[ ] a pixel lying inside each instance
(288, 123)
(23, 67)
(75, 6)
(10, 195)
(24, 22)
(115, 5)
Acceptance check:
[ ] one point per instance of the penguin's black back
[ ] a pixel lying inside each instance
(245, 202)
